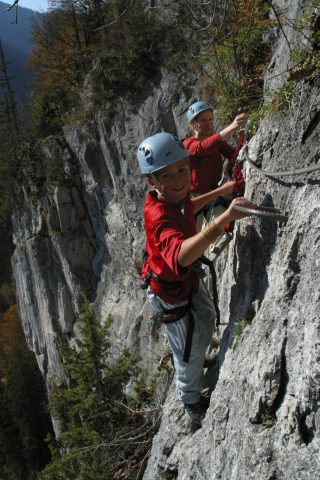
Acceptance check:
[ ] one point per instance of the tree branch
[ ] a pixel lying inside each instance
(118, 17)
(15, 4)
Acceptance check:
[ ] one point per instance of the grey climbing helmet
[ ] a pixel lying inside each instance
(197, 108)
(159, 151)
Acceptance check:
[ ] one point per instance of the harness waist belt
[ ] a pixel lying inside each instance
(175, 314)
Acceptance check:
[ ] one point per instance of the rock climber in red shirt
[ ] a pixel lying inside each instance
(173, 247)
(206, 148)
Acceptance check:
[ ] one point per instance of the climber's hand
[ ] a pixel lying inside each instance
(240, 121)
(232, 214)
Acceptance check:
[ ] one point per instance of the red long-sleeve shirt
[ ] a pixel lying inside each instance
(206, 161)
(167, 226)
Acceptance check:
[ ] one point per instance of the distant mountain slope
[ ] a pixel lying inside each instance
(17, 46)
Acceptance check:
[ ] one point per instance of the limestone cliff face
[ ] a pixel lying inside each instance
(263, 421)
(85, 235)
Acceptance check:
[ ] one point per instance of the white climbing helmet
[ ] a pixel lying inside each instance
(197, 108)
(159, 151)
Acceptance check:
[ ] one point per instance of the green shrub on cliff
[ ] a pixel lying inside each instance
(103, 430)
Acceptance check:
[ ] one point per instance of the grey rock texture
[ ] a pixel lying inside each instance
(82, 231)
(263, 419)
(85, 235)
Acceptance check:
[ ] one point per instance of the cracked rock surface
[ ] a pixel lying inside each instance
(263, 418)
(85, 235)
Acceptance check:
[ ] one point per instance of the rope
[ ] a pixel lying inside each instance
(284, 173)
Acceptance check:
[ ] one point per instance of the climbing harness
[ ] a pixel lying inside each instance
(175, 314)
(268, 212)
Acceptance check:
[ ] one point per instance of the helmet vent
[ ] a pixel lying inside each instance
(148, 155)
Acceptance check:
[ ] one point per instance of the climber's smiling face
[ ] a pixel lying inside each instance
(173, 181)
(202, 124)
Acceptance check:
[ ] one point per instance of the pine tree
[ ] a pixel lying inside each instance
(102, 431)
(11, 119)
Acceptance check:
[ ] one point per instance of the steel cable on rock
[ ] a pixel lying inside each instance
(269, 212)
(281, 174)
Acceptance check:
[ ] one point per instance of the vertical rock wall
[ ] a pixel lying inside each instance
(85, 235)
(81, 232)
(263, 419)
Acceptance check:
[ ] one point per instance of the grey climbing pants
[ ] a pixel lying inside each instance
(189, 375)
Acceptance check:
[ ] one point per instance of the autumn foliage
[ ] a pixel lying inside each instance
(10, 330)
(62, 53)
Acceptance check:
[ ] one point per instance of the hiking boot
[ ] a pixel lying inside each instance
(204, 402)
(215, 341)
(195, 411)
(210, 360)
